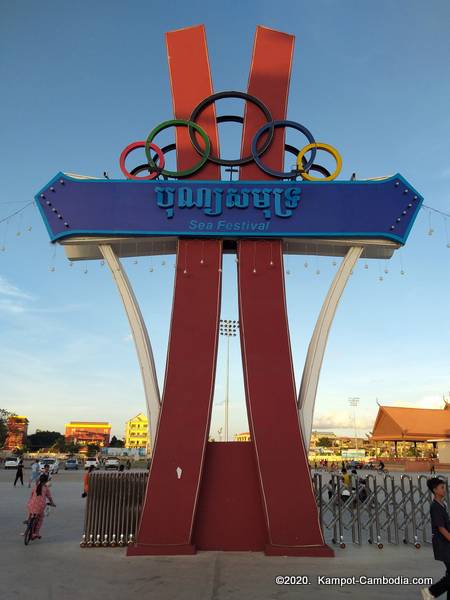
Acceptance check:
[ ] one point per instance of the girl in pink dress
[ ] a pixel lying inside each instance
(39, 498)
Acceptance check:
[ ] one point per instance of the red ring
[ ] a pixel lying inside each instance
(126, 151)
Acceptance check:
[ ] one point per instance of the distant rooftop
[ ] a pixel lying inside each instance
(411, 424)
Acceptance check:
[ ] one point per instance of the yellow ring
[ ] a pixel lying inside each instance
(327, 148)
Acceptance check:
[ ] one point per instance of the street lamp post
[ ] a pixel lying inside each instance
(354, 402)
(229, 329)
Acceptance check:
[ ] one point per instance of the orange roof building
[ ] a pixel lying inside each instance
(397, 423)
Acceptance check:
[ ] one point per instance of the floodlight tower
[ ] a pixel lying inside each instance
(228, 328)
(354, 401)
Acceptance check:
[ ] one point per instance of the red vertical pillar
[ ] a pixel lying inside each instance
(172, 493)
(286, 488)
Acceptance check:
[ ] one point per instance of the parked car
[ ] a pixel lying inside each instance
(112, 463)
(53, 463)
(71, 464)
(11, 462)
(92, 461)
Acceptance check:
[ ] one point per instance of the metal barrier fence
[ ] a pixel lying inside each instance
(113, 508)
(377, 509)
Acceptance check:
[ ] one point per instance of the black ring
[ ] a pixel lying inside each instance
(231, 94)
(322, 170)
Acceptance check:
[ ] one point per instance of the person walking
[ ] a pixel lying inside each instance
(86, 481)
(19, 473)
(440, 524)
(346, 479)
(34, 476)
(40, 497)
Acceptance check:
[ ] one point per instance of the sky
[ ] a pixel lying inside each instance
(80, 82)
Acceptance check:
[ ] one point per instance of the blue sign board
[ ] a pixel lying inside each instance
(369, 209)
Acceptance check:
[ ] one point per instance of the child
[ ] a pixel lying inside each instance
(34, 473)
(440, 523)
(37, 503)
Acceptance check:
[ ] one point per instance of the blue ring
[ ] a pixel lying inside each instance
(275, 125)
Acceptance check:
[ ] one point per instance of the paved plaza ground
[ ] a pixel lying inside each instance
(57, 568)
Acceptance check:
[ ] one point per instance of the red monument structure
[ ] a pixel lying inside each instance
(255, 495)
(237, 496)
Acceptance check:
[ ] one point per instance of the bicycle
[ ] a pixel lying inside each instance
(31, 523)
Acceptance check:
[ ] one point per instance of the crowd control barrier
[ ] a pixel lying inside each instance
(376, 509)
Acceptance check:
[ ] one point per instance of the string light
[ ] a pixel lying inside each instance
(446, 231)
(7, 222)
(430, 228)
(52, 266)
(16, 212)
(19, 231)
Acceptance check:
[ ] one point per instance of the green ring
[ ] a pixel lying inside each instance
(154, 132)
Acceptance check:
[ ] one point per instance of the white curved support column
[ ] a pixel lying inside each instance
(140, 336)
(318, 343)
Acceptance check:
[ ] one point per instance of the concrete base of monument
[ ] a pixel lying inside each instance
(150, 550)
(311, 551)
(270, 550)
(229, 515)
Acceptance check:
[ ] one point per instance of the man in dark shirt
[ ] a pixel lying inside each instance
(440, 524)
(19, 473)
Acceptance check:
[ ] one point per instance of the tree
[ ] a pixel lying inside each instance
(60, 445)
(115, 443)
(43, 439)
(93, 449)
(73, 448)
(325, 442)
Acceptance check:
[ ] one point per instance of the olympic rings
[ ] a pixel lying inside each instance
(155, 164)
(328, 149)
(231, 94)
(126, 151)
(282, 174)
(183, 122)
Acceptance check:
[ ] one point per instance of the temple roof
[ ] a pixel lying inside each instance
(411, 424)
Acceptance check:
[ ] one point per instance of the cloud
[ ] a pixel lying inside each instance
(14, 301)
(12, 291)
(11, 307)
(343, 420)
(428, 401)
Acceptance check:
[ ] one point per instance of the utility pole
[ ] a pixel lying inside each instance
(354, 401)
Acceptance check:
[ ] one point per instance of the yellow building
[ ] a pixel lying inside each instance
(242, 437)
(137, 433)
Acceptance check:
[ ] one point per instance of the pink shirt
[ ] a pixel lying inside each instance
(36, 504)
